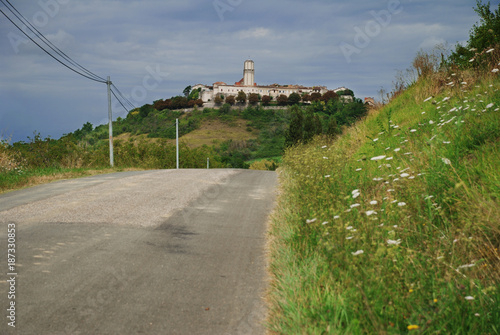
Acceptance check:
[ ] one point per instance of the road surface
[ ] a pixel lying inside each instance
(150, 252)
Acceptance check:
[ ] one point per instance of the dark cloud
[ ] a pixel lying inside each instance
(167, 45)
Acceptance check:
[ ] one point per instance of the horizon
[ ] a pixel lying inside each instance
(154, 50)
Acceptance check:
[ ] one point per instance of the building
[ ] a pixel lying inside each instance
(247, 85)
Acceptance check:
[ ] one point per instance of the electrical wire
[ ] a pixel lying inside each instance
(123, 97)
(79, 68)
(86, 73)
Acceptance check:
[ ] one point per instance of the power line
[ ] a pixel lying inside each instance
(87, 73)
(35, 31)
(123, 97)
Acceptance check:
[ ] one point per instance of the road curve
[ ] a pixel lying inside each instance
(151, 252)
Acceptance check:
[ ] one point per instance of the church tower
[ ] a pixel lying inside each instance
(249, 73)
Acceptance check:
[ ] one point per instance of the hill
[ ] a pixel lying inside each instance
(393, 226)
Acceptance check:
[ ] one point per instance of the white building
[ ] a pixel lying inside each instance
(247, 85)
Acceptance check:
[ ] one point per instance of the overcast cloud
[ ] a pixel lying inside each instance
(153, 49)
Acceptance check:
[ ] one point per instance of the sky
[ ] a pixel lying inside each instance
(153, 49)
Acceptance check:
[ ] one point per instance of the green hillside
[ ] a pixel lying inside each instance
(394, 226)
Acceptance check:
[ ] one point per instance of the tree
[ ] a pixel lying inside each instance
(266, 99)
(309, 126)
(230, 100)
(333, 128)
(294, 98)
(242, 97)
(306, 97)
(295, 132)
(253, 98)
(482, 36)
(315, 96)
(225, 109)
(218, 99)
(87, 128)
(145, 110)
(330, 95)
(318, 127)
(282, 100)
(186, 91)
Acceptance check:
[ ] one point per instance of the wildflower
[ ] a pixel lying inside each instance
(375, 140)
(394, 242)
(373, 202)
(350, 228)
(471, 60)
(359, 169)
(327, 176)
(413, 327)
(401, 204)
(397, 149)
(429, 98)
(404, 175)
(377, 158)
(446, 142)
(368, 213)
(311, 221)
(466, 266)
(489, 106)
(431, 122)
(355, 205)
(336, 217)
(323, 147)
(390, 190)
(325, 223)
(413, 130)
(349, 237)
(377, 179)
(446, 161)
(477, 314)
(435, 300)
(389, 158)
(494, 70)
(325, 157)
(469, 298)
(446, 99)
(359, 252)
(355, 195)
(492, 49)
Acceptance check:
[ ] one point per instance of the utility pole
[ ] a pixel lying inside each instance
(110, 116)
(177, 141)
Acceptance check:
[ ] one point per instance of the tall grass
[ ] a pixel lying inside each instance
(394, 226)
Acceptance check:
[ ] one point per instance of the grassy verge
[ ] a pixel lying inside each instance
(394, 226)
(17, 179)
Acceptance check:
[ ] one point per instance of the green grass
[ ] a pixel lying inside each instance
(21, 178)
(415, 248)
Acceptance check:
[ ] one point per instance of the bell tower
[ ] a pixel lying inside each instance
(249, 73)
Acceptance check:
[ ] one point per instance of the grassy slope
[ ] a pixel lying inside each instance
(416, 246)
(211, 132)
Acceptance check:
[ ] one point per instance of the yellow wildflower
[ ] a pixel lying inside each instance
(413, 327)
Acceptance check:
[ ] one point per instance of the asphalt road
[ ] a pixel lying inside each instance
(154, 252)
